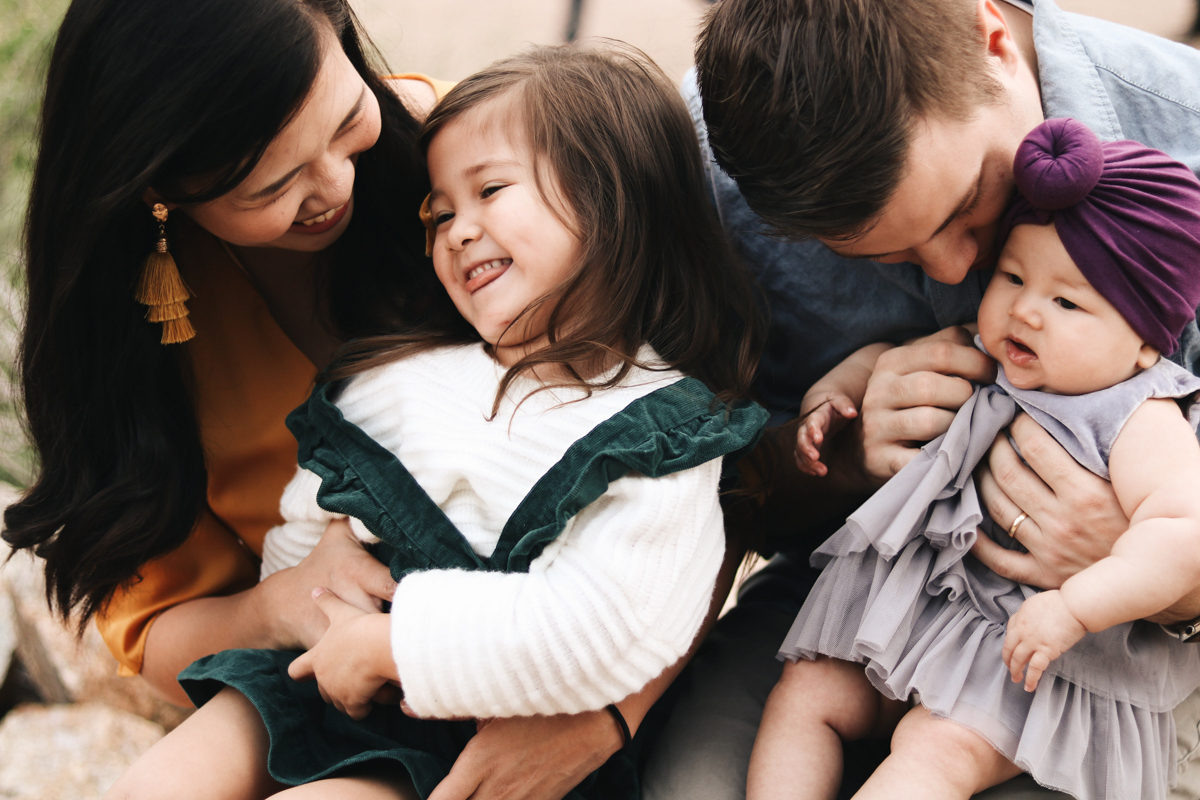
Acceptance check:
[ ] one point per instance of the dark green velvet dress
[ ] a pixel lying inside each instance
(669, 430)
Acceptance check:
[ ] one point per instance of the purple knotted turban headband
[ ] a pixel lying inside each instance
(1129, 217)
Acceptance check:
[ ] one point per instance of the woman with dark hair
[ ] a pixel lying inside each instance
(240, 124)
(255, 144)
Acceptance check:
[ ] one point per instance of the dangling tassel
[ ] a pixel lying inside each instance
(162, 289)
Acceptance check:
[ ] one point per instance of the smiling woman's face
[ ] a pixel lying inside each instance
(306, 174)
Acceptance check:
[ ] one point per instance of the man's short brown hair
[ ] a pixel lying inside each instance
(811, 104)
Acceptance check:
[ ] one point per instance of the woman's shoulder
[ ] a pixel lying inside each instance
(417, 91)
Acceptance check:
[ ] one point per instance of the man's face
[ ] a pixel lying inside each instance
(956, 186)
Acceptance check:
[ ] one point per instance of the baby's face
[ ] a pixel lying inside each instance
(1047, 326)
(498, 246)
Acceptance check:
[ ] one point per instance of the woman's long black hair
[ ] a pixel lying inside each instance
(159, 93)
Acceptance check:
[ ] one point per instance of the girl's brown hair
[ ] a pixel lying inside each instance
(655, 266)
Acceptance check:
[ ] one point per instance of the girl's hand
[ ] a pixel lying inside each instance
(832, 412)
(339, 562)
(1074, 517)
(353, 660)
(1042, 630)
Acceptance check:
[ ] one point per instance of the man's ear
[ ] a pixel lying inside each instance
(150, 197)
(1002, 49)
(1147, 357)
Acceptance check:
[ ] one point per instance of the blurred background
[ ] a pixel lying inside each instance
(68, 727)
(451, 39)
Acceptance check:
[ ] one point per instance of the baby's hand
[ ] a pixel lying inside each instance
(830, 413)
(1042, 630)
(353, 661)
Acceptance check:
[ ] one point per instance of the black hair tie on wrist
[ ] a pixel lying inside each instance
(620, 718)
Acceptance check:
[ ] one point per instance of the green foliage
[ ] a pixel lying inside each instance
(26, 32)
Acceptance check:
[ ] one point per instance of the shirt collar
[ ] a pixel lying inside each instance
(1024, 5)
(1070, 84)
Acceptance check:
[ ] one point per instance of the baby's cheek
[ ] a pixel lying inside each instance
(990, 324)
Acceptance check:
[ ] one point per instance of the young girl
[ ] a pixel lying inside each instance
(1099, 274)
(538, 472)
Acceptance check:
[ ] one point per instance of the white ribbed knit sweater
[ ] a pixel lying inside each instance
(605, 608)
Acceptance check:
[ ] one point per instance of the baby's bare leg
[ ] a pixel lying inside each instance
(936, 759)
(814, 708)
(220, 751)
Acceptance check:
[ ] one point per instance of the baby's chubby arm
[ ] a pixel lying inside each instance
(831, 403)
(1155, 468)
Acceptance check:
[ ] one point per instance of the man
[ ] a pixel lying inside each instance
(885, 132)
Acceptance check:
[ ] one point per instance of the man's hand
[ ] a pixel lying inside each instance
(353, 660)
(1074, 517)
(912, 397)
(339, 563)
(1042, 630)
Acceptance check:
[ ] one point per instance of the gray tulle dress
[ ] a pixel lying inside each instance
(898, 595)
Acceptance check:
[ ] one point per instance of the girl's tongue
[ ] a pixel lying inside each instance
(1019, 353)
(484, 274)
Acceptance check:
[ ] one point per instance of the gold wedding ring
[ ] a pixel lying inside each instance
(1012, 529)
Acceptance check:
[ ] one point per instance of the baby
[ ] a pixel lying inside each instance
(1099, 274)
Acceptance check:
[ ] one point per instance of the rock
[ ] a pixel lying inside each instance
(65, 668)
(77, 751)
(8, 634)
(21, 581)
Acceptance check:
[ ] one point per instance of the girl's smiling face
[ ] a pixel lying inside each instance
(499, 245)
(1048, 327)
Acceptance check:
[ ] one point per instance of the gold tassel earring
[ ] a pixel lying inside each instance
(162, 289)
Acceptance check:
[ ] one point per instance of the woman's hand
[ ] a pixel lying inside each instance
(277, 614)
(530, 758)
(353, 660)
(913, 395)
(338, 563)
(1073, 515)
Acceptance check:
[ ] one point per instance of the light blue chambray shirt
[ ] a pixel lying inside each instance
(1122, 83)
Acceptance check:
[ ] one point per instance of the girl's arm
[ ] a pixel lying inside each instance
(1155, 469)
(304, 525)
(543, 758)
